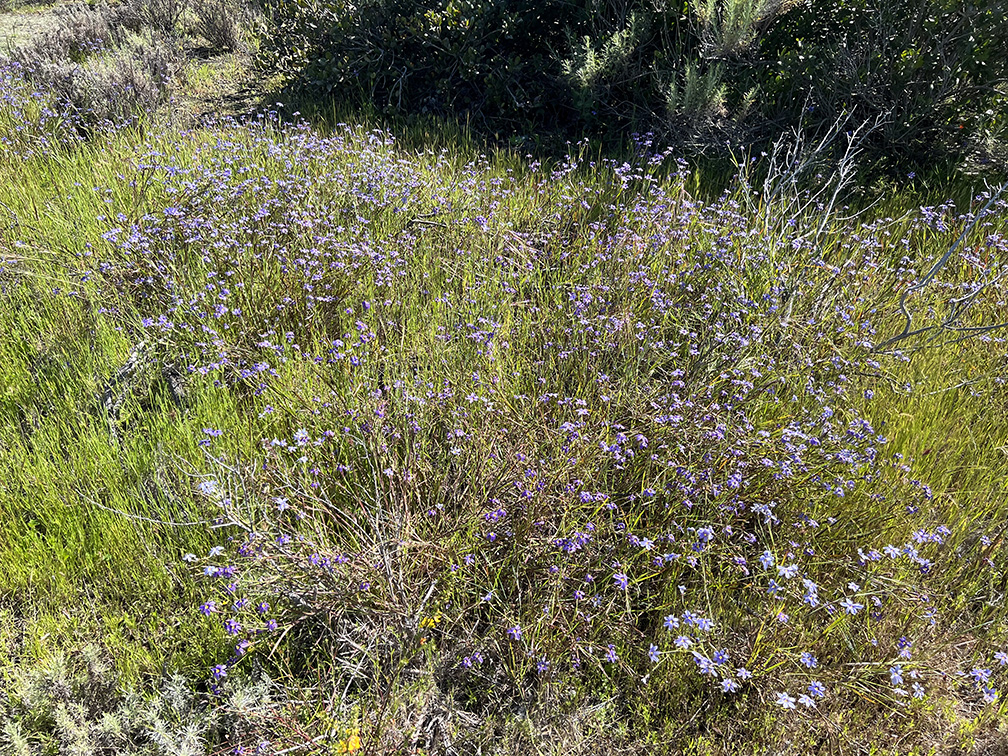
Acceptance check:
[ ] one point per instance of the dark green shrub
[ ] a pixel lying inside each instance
(497, 61)
(926, 72)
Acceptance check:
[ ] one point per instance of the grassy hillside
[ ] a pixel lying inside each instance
(314, 440)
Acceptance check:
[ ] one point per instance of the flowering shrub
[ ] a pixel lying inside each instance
(628, 446)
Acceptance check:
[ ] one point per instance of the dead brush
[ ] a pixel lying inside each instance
(113, 89)
(161, 15)
(220, 23)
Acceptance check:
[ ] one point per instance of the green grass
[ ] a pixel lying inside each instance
(86, 511)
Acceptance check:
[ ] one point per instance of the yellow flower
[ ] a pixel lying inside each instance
(350, 745)
(431, 621)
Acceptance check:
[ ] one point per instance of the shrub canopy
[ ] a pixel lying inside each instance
(930, 73)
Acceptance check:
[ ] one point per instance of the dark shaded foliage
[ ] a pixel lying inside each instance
(701, 75)
(496, 61)
(928, 70)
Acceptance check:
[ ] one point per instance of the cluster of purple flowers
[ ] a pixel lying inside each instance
(624, 436)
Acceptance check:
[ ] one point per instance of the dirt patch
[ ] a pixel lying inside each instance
(22, 21)
(218, 85)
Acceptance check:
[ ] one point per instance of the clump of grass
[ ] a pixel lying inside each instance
(518, 522)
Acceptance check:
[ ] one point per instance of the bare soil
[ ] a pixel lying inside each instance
(20, 21)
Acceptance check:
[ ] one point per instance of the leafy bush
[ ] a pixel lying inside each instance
(926, 71)
(491, 60)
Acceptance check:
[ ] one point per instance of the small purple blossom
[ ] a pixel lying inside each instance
(896, 674)
(980, 675)
(850, 606)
